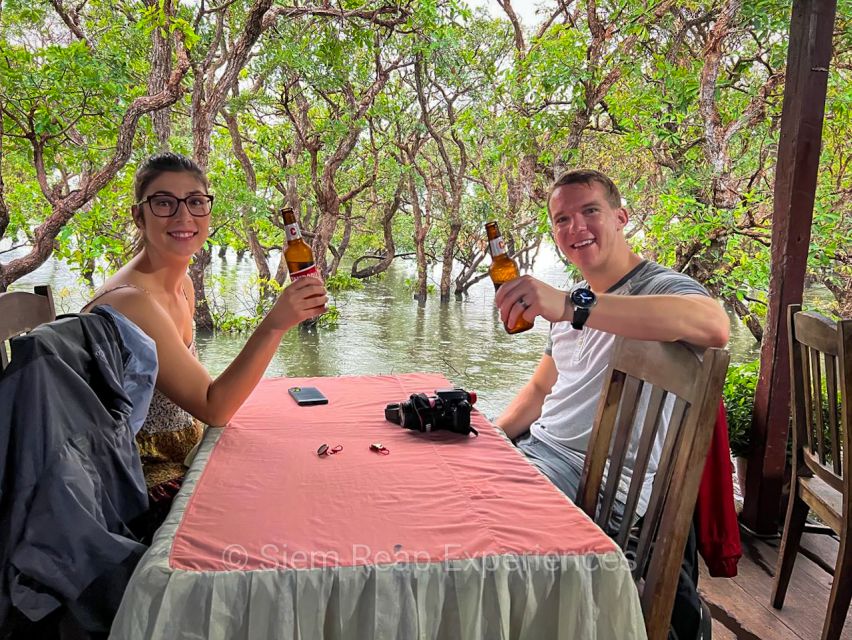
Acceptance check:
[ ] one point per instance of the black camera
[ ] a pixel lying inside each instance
(448, 409)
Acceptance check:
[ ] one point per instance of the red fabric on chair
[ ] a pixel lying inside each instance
(716, 526)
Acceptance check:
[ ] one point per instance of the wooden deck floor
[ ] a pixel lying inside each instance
(741, 607)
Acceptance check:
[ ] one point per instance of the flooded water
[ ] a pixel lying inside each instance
(382, 330)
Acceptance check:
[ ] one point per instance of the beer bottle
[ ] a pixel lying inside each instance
(503, 269)
(298, 255)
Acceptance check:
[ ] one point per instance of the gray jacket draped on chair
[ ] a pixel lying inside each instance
(70, 476)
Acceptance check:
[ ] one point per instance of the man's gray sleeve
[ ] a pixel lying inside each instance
(672, 283)
(665, 282)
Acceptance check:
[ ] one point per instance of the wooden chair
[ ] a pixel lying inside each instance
(21, 312)
(692, 388)
(821, 403)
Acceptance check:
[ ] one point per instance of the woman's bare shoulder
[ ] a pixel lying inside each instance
(137, 305)
(119, 286)
(126, 297)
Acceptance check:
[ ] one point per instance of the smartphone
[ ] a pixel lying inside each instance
(306, 396)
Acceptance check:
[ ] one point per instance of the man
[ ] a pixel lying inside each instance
(622, 295)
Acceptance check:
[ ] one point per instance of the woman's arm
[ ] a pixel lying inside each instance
(185, 381)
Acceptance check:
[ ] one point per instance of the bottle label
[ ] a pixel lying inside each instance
(498, 247)
(293, 232)
(305, 273)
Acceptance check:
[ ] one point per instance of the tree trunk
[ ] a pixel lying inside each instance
(161, 63)
(323, 175)
(749, 319)
(455, 176)
(842, 294)
(203, 317)
(256, 249)
(329, 205)
(468, 277)
(449, 253)
(259, 257)
(344, 241)
(387, 227)
(526, 256)
(455, 226)
(281, 271)
(421, 230)
(202, 128)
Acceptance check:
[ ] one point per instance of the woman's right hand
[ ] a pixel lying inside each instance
(303, 299)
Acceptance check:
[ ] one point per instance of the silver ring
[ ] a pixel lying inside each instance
(523, 303)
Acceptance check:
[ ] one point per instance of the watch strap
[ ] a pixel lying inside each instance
(580, 317)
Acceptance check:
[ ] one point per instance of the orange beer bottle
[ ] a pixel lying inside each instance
(503, 269)
(298, 255)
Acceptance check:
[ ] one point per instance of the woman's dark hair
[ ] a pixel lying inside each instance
(587, 177)
(167, 162)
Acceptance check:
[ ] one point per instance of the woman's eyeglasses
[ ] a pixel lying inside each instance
(163, 206)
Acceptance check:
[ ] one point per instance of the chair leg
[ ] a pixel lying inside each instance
(794, 524)
(841, 591)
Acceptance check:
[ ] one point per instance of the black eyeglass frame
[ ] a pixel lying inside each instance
(209, 197)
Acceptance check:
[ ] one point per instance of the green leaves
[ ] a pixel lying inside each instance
(738, 393)
(342, 282)
(624, 98)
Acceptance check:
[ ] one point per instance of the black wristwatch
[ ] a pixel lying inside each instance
(583, 299)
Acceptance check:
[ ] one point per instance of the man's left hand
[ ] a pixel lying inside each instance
(531, 297)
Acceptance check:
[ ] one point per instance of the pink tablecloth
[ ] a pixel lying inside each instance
(431, 540)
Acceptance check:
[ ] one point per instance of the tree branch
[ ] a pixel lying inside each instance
(386, 16)
(707, 106)
(72, 20)
(520, 45)
(65, 208)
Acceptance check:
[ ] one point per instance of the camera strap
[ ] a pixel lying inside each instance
(421, 403)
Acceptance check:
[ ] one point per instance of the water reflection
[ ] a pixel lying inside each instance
(384, 330)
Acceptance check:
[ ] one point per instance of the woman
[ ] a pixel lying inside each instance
(172, 214)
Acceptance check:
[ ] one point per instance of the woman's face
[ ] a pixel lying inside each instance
(181, 234)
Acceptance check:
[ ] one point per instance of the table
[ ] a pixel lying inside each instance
(445, 537)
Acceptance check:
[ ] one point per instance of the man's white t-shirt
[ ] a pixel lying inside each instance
(582, 358)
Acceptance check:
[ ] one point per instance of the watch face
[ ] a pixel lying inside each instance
(583, 297)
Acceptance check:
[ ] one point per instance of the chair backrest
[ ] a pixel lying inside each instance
(674, 378)
(821, 394)
(21, 312)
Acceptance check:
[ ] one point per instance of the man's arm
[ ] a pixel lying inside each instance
(696, 319)
(525, 408)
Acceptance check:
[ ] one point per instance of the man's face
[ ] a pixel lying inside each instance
(587, 228)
